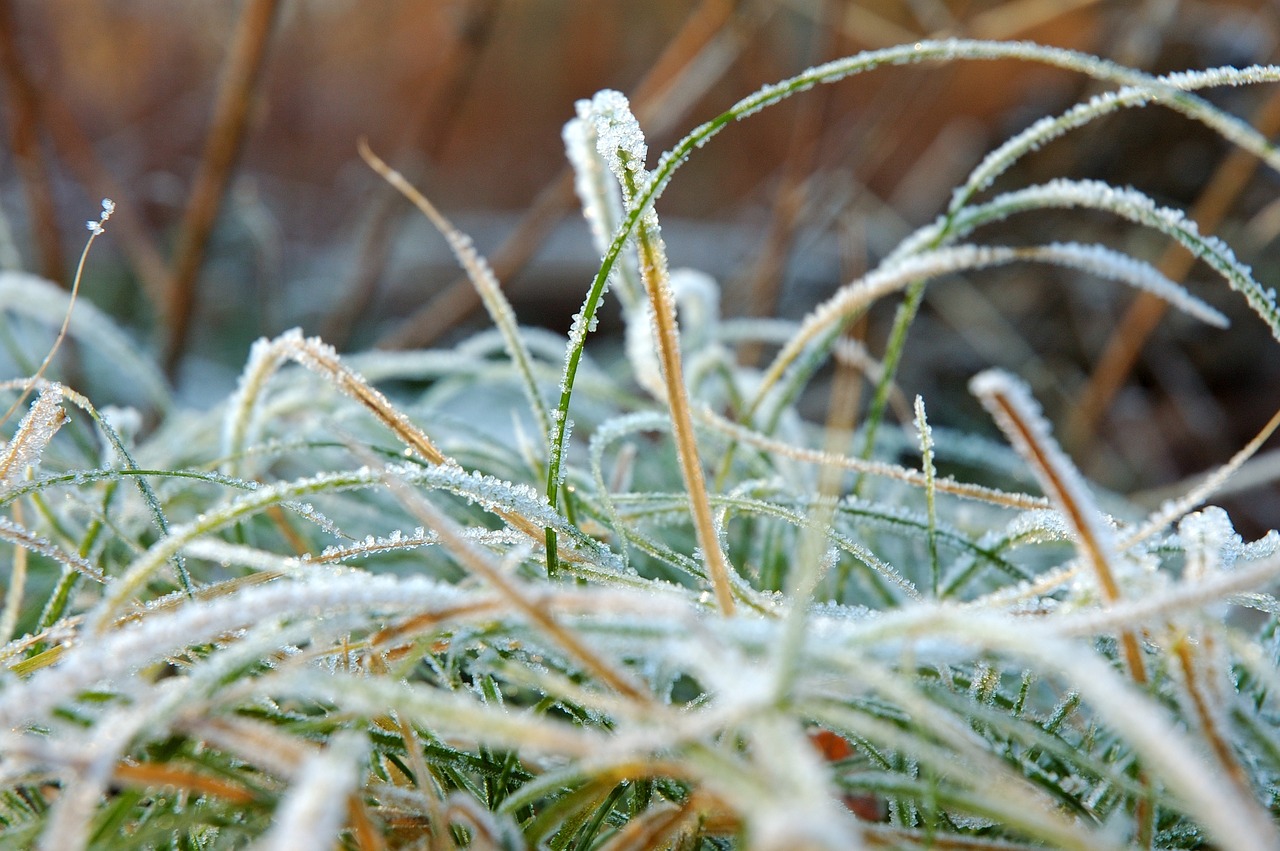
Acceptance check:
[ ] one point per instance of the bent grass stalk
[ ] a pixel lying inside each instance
(481, 276)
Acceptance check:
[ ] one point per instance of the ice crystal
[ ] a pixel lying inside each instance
(95, 227)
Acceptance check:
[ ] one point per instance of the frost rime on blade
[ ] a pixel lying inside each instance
(36, 429)
(1128, 204)
(619, 139)
(601, 199)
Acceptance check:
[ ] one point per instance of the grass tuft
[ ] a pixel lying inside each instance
(331, 615)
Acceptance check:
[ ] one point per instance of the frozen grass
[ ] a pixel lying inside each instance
(320, 617)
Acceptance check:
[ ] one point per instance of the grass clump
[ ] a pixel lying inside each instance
(318, 617)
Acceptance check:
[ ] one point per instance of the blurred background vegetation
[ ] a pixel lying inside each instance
(226, 133)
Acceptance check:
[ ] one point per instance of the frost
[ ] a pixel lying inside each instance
(1107, 263)
(95, 227)
(1126, 203)
(115, 653)
(322, 359)
(1163, 90)
(36, 429)
(840, 613)
(1222, 76)
(265, 357)
(309, 641)
(577, 332)
(482, 278)
(902, 269)
(125, 420)
(308, 817)
(1019, 416)
(601, 205)
(619, 140)
(1040, 525)
(308, 511)
(20, 536)
(1210, 541)
(1265, 547)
